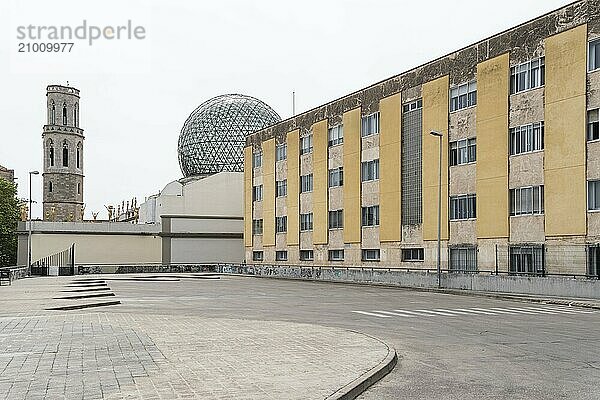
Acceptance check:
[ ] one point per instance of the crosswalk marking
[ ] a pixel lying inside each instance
(476, 311)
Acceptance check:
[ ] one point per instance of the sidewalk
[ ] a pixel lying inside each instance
(101, 353)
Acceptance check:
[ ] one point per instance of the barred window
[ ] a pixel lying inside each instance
(463, 151)
(528, 75)
(336, 177)
(416, 254)
(257, 256)
(281, 188)
(527, 138)
(593, 195)
(369, 124)
(369, 170)
(463, 96)
(306, 144)
(281, 152)
(594, 55)
(370, 216)
(463, 259)
(306, 183)
(463, 207)
(594, 261)
(257, 226)
(306, 222)
(593, 130)
(281, 224)
(306, 255)
(281, 255)
(336, 219)
(411, 163)
(257, 193)
(526, 260)
(335, 135)
(257, 159)
(336, 255)
(527, 200)
(370, 255)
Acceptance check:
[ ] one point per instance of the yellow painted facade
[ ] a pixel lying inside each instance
(435, 118)
(389, 164)
(320, 184)
(293, 189)
(565, 140)
(492, 147)
(248, 196)
(268, 166)
(352, 183)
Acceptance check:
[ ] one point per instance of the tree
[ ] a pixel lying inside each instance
(9, 217)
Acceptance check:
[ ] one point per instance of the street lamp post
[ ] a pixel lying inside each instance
(30, 218)
(439, 232)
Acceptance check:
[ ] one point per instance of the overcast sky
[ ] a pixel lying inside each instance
(136, 94)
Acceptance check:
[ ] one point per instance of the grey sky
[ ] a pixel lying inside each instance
(136, 95)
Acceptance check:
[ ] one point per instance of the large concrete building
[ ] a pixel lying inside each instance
(355, 181)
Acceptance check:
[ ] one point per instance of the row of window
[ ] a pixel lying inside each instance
(65, 154)
(51, 187)
(52, 114)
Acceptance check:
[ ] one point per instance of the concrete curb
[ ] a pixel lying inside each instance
(366, 380)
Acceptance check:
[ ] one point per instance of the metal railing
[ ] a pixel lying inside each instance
(63, 263)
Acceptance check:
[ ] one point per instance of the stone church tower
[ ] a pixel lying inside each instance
(63, 156)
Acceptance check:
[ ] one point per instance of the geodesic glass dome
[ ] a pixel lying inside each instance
(213, 137)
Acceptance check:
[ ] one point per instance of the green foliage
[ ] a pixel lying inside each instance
(9, 217)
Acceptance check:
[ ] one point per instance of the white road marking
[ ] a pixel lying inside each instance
(413, 313)
(397, 314)
(472, 310)
(436, 313)
(373, 314)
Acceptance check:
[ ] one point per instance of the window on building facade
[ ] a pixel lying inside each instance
(76, 115)
(281, 224)
(527, 138)
(64, 114)
(370, 254)
(463, 207)
(65, 155)
(306, 144)
(593, 195)
(257, 159)
(336, 177)
(463, 151)
(336, 255)
(370, 216)
(281, 152)
(335, 135)
(281, 188)
(594, 55)
(369, 170)
(257, 193)
(369, 124)
(526, 260)
(306, 255)
(336, 219)
(50, 186)
(306, 222)
(281, 255)
(528, 75)
(51, 152)
(257, 226)
(411, 163)
(78, 161)
(593, 267)
(257, 256)
(593, 130)
(463, 96)
(306, 183)
(527, 200)
(463, 259)
(79, 188)
(415, 254)
(53, 114)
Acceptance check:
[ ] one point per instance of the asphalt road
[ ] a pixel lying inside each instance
(450, 346)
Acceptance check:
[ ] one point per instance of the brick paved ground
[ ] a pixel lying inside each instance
(104, 353)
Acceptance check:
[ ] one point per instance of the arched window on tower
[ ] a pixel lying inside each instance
(79, 188)
(76, 115)
(52, 120)
(65, 157)
(78, 161)
(64, 114)
(51, 152)
(50, 187)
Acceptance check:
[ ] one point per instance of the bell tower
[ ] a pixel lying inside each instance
(63, 156)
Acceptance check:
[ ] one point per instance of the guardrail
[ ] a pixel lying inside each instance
(61, 263)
